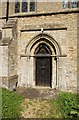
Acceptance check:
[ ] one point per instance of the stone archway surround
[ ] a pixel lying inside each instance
(30, 50)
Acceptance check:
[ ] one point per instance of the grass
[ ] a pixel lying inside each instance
(0, 103)
(69, 105)
(15, 106)
(55, 109)
(11, 104)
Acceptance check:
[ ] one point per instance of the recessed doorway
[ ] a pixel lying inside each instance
(43, 66)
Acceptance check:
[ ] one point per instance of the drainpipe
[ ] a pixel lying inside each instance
(7, 11)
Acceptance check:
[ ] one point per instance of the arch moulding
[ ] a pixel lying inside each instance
(42, 38)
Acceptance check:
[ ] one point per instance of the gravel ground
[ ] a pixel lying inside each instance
(37, 101)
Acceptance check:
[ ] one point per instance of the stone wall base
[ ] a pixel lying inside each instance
(9, 82)
(70, 89)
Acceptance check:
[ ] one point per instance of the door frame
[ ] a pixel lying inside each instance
(50, 84)
(43, 55)
(56, 50)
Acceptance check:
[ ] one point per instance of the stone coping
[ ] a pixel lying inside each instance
(9, 77)
(64, 11)
(5, 41)
(9, 24)
(45, 26)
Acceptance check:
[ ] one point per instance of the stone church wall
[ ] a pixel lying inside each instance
(78, 53)
(21, 29)
(67, 39)
(41, 7)
(8, 47)
(3, 63)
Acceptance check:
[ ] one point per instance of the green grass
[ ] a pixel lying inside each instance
(69, 105)
(65, 106)
(55, 109)
(11, 104)
(0, 103)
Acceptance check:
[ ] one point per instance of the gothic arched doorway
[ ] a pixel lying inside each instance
(43, 65)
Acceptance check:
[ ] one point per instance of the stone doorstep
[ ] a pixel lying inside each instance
(37, 93)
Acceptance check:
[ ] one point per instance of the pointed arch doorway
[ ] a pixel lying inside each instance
(43, 65)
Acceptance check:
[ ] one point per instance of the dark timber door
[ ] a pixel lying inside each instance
(43, 66)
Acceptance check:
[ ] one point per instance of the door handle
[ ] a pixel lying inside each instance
(43, 67)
